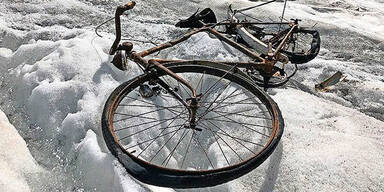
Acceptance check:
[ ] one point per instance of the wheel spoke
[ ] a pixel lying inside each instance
(243, 115)
(186, 151)
(174, 149)
(149, 103)
(234, 151)
(242, 124)
(228, 103)
(200, 80)
(202, 148)
(138, 115)
(145, 123)
(232, 103)
(214, 85)
(147, 128)
(233, 123)
(234, 138)
(153, 139)
(158, 136)
(132, 116)
(151, 118)
(221, 149)
(167, 141)
(219, 100)
(170, 107)
(187, 91)
(208, 108)
(226, 114)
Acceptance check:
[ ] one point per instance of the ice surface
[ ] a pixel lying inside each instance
(56, 76)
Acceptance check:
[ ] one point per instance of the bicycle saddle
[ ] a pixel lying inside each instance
(206, 16)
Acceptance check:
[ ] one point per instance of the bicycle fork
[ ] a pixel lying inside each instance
(192, 104)
(120, 62)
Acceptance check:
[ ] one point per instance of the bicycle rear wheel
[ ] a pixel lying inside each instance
(238, 126)
(302, 46)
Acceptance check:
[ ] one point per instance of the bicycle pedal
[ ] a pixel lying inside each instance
(277, 74)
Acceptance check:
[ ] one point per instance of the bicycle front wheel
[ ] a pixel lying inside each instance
(146, 126)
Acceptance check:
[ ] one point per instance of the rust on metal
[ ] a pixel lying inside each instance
(174, 75)
(264, 61)
(170, 43)
(239, 47)
(119, 11)
(284, 40)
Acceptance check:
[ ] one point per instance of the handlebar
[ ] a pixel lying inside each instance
(122, 8)
(119, 11)
(295, 21)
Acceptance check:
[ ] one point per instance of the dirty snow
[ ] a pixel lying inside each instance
(56, 76)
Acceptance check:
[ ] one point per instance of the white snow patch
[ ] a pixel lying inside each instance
(97, 167)
(16, 162)
(364, 17)
(328, 146)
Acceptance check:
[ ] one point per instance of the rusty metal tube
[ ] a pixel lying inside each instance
(284, 40)
(170, 43)
(235, 45)
(174, 75)
(119, 11)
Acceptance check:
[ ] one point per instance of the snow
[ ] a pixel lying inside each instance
(363, 17)
(96, 165)
(16, 163)
(56, 75)
(330, 147)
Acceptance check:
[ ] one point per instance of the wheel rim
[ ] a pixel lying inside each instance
(164, 142)
(299, 43)
(302, 46)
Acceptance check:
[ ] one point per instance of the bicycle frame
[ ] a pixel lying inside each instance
(264, 64)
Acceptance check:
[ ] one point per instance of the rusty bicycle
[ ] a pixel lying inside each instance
(196, 123)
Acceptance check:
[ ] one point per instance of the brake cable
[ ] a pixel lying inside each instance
(129, 39)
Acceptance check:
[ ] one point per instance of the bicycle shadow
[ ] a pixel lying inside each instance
(268, 184)
(106, 68)
(273, 169)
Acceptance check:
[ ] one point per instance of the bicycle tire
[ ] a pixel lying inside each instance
(191, 177)
(274, 81)
(308, 41)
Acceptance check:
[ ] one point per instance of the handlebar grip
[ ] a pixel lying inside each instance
(122, 8)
